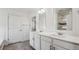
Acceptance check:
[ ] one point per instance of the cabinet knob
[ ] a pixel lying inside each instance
(53, 48)
(50, 47)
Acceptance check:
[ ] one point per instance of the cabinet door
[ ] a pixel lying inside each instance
(45, 45)
(66, 45)
(37, 42)
(31, 39)
(55, 47)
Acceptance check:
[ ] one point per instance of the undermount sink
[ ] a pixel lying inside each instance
(58, 34)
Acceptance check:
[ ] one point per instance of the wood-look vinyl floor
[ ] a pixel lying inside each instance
(19, 46)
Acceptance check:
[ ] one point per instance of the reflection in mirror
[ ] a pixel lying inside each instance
(42, 18)
(64, 18)
(34, 23)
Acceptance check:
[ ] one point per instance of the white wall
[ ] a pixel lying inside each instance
(50, 20)
(75, 22)
(4, 22)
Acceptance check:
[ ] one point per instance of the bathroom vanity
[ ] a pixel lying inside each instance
(47, 41)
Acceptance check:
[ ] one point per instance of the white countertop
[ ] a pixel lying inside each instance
(65, 37)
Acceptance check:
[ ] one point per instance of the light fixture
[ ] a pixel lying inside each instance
(41, 11)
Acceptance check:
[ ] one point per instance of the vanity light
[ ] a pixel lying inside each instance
(41, 11)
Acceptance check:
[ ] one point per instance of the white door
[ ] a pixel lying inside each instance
(18, 29)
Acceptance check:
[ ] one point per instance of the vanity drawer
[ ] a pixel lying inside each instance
(56, 47)
(65, 44)
(46, 38)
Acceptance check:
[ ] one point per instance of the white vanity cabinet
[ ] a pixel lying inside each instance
(57, 47)
(40, 42)
(37, 42)
(45, 43)
(32, 39)
(64, 45)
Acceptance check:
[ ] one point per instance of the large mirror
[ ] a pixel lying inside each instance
(42, 18)
(64, 18)
(34, 23)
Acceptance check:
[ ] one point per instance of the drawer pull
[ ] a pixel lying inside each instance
(53, 48)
